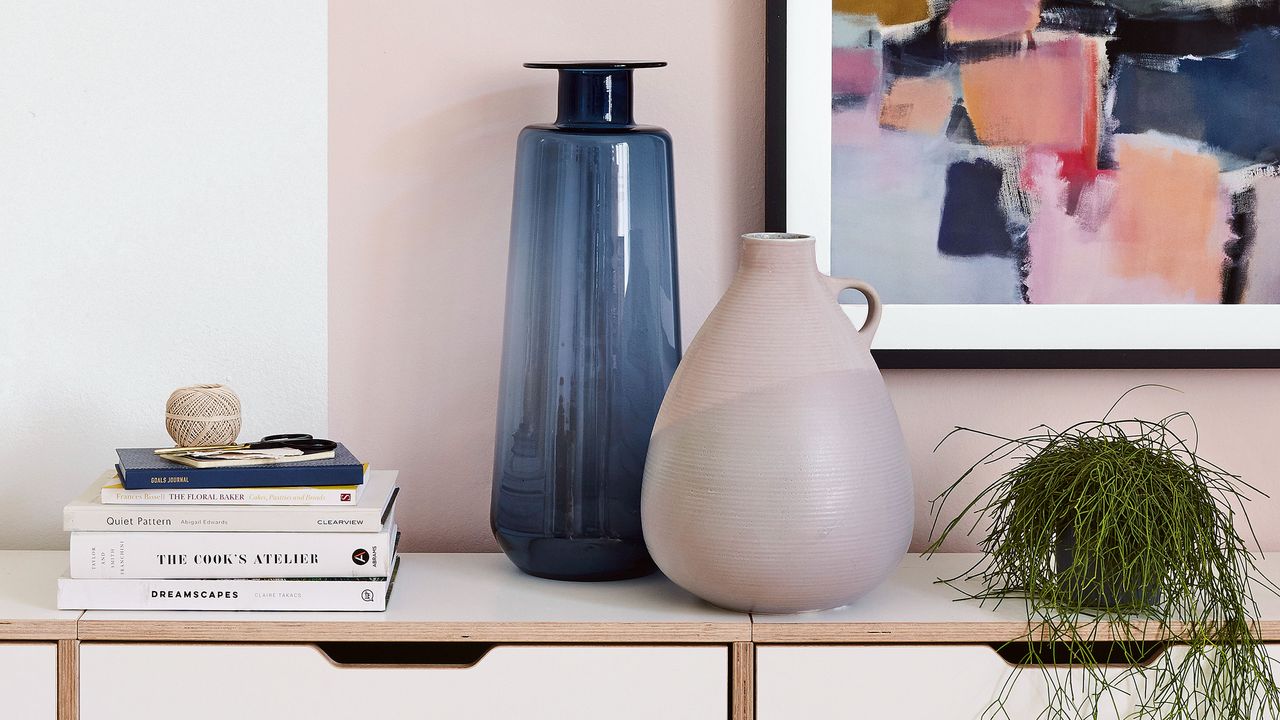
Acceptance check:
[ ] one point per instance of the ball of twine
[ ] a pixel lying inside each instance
(203, 415)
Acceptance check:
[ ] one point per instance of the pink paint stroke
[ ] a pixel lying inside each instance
(970, 20)
(855, 72)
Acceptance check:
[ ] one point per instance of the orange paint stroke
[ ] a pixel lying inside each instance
(1153, 230)
(1040, 96)
(1169, 218)
(920, 105)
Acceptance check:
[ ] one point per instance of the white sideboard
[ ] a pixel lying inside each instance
(916, 649)
(272, 681)
(469, 636)
(37, 641)
(29, 680)
(464, 636)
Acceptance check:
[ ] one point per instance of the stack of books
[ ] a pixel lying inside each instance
(152, 534)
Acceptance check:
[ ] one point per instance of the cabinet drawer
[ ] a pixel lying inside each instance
(905, 682)
(261, 682)
(29, 680)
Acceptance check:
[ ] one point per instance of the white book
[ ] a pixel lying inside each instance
(229, 555)
(113, 493)
(322, 594)
(88, 514)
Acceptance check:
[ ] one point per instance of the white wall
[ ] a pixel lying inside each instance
(162, 223)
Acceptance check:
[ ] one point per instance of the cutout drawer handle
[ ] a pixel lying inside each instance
(405, 654)
(1098, 652)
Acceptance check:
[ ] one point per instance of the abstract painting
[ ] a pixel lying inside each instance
(1043, 152)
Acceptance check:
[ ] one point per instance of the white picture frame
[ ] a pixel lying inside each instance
(799, 138)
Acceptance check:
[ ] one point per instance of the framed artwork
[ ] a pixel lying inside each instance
(1038, 183)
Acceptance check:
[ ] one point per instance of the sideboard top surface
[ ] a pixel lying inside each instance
(481, 597)
(913, 607)
(28, 582)
(461, 596)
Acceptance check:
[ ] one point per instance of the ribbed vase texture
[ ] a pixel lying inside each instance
(777, 478)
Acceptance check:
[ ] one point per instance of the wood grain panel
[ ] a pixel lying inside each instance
(900, 633)
(269, 631)
(742, 681)
(68, 680)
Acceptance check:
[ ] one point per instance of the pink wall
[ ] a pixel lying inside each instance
(425, 103)
(1236, 411)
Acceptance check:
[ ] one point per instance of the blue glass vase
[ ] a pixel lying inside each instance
(592, 333)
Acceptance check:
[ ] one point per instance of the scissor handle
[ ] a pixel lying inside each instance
(298, 441)
(286, 438)
(312, 445)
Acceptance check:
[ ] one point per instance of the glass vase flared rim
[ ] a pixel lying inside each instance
(595, 64)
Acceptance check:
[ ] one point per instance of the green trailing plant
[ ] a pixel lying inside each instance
(1119, 537)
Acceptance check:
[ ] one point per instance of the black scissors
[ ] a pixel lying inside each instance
(297, 441)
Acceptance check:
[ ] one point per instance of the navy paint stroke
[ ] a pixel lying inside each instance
(1244, 228)
(920, 55)
(1236, 98)
(973, 223)
(960, 126)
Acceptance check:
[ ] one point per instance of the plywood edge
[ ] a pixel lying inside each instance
(514, 632)
(68, 680)
(742, 681)
(38, 629)
(937, 633)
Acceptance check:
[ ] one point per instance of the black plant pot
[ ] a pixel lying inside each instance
(1098, 587)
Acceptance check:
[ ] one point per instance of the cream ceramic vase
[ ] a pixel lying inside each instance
(777, 478)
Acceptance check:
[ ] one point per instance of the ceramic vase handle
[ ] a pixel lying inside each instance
(868, 328)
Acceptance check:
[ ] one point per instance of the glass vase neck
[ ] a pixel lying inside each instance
(594, 94)
(595, 98)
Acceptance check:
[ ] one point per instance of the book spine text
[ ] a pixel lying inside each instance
(125, 594)
(341, 495)
(227, 555)
(248, 477)
(320, 519)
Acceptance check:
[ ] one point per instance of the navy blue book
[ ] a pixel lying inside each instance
(142, 469)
